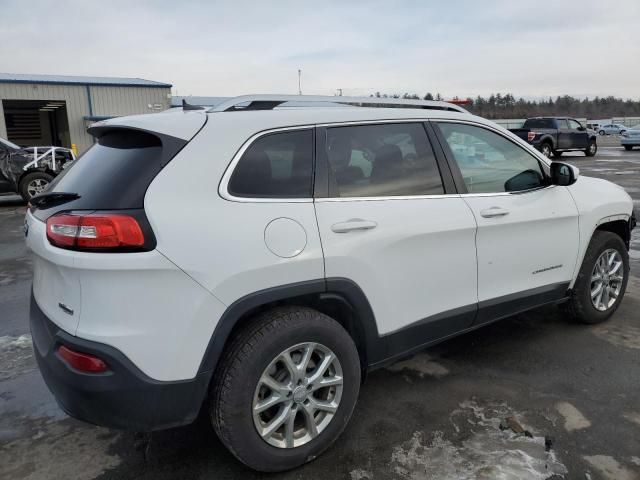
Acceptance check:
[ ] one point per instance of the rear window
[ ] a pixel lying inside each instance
(539, 123)
(278, 165)
(115, 172)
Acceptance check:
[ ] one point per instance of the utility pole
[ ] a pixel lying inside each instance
(299, 82)
(339, 92)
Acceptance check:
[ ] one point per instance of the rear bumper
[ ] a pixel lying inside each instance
(124, 397)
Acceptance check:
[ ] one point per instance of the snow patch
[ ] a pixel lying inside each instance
(486, 453)
(610, 468)
(360, 474)
(573, 418)
(626, 336)
(422, 364)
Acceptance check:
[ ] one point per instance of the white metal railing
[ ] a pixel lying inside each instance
(268, 102)
(48, 151)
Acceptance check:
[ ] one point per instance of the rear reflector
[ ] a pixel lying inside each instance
(82, 361)
(531, 136)
(94, 231)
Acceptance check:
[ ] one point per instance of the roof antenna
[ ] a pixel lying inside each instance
(186, 106)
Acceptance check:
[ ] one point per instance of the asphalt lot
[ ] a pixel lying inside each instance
(573, 388)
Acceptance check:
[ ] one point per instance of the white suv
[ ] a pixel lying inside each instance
(254, 260)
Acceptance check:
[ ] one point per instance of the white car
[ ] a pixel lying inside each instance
(255, 260)
(631, 138)
(612, 129)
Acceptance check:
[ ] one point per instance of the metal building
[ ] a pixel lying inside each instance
(57, 109)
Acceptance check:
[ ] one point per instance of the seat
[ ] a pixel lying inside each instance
(387, 164)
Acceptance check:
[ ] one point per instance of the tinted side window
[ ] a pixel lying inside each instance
(490, 163)
(382, 160)
(562, 123)
(574, 125)
(539, 123)
(278, 165)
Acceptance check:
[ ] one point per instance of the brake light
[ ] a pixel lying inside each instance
(94, 231)
(531, 136)
(82, 361)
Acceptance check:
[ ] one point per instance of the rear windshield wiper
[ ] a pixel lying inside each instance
(49, 199)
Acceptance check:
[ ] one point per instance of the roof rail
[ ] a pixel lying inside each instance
(269, 102)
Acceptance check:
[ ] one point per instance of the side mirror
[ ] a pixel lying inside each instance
(581, 129)
(563, 174)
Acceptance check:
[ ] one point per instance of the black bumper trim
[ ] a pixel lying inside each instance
(122, 398)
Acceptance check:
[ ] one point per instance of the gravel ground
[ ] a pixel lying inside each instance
(533, 396)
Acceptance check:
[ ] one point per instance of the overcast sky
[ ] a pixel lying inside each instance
(455, 47)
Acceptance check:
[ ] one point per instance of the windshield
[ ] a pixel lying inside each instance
(9, 144)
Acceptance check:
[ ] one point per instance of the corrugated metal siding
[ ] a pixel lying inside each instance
(115, 101)
(128, 101)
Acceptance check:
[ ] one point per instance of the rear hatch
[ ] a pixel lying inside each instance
(92, 217)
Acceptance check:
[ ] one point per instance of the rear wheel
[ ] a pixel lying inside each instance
(628, 148)
(592, 149)
(34, 183)
(546, 149)
(602, 279)
(286, 389)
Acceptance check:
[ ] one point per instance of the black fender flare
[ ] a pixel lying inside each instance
(329, 289)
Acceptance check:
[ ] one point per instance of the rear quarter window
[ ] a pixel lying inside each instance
(277, 165)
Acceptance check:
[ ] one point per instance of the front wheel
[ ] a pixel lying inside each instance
(628, 148)
(592, 149)
(602, 279)
(286, 388)
(546, 150)
(601, 132)
(34, 183)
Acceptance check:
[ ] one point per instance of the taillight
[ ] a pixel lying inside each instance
(94, 231)
(531, 136)
(82, 361)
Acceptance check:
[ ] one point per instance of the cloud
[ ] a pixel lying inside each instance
(236, 47)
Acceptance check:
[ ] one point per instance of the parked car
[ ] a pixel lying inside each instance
(631, 138)
(29, 171)
(555, 135)
(329, 242)
(593, 126)
(612, 129)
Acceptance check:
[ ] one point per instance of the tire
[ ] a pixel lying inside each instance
(621, 132)
(580, 305)
(592, 149)
(628, 148)
(31, 182)
(601, 132)
(546, 149)
(237, 387)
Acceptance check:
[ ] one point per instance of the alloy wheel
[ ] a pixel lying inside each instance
(36, 186)
(606, 280)
(297, 395)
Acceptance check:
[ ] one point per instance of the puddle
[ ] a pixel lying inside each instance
(487, 452)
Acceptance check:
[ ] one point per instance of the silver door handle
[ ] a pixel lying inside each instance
(494, 212)
(352, 225)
